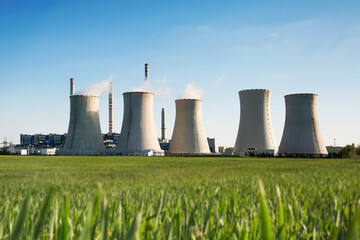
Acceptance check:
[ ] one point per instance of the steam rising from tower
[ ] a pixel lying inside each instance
(302, 131)
(255, 128)
(111, 108)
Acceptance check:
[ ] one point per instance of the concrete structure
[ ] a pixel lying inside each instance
(72, 86)
(163, 125)
(212, 145)
(189, 132)
(221, 149)
(302, 131)
(111, 108)
(255, 127)
(138, 128)
(84, 134)
(146, 72)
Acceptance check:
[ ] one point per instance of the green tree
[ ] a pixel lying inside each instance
(349, 151)
(229, 149)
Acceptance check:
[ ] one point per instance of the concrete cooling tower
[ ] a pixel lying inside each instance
(84, 134)
(138, 129)
(255, 127)
(189, 132)
(302, 132)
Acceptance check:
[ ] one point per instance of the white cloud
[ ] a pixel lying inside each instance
(220, 80)
(161, 81)
(203, 28)
(273, 35)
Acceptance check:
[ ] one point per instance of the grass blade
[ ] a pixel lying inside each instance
(45, 209)
(266, 225)
(281, 222)
(21, 218)
(133, 233)
(354, 232)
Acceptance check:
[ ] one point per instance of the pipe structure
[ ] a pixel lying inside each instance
(163, 125)
(146, 72)
(189, 133)
(111, 108)
(138, 131)
(72, 86)
(302, 133)
(255, 127)
(84, 134)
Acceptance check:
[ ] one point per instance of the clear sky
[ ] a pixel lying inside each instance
(220, 46)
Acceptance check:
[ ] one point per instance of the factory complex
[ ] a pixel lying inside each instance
(301, 135)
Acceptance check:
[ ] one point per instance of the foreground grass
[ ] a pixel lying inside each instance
(178, 198)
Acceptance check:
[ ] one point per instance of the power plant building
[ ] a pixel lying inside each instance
(255, 128)
(189, 132)
(302, 133)
(138, 131)
(84, 135)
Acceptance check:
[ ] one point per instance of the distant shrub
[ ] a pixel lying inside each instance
(349, 151)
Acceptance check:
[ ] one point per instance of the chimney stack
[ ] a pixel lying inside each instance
(72, 86)
(111, 108)
(163, 128)
(146, 72)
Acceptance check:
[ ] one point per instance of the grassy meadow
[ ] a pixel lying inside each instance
(55, 197)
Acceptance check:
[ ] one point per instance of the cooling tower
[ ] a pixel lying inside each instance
(189, 132)
(255, 127)
(84, 134)
(302, 132)
(138, 129)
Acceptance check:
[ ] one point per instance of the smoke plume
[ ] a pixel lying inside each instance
(145, 87)
(96, 89)
(148, 87)
(192, 92)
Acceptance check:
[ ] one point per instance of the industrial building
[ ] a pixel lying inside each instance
(41, 140)
(255, 128)
(189, 132)
(138, 136)
(212, 145)
(302, 133)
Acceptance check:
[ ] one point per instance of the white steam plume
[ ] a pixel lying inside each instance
(192, 92)
(147, 87)
(97, 88)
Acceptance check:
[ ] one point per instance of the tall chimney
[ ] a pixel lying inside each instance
(163, 128)
(72, 86)
(111, 108)
(146, 72)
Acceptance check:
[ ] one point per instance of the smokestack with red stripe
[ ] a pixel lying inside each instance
(146, 72)
(72, 86)
(111, 108)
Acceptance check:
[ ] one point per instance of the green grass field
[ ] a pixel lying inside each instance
(178, 198)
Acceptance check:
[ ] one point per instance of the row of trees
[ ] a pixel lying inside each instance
(334, 152)
(349, 151)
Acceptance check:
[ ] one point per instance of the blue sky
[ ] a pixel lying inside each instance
(221, 46)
